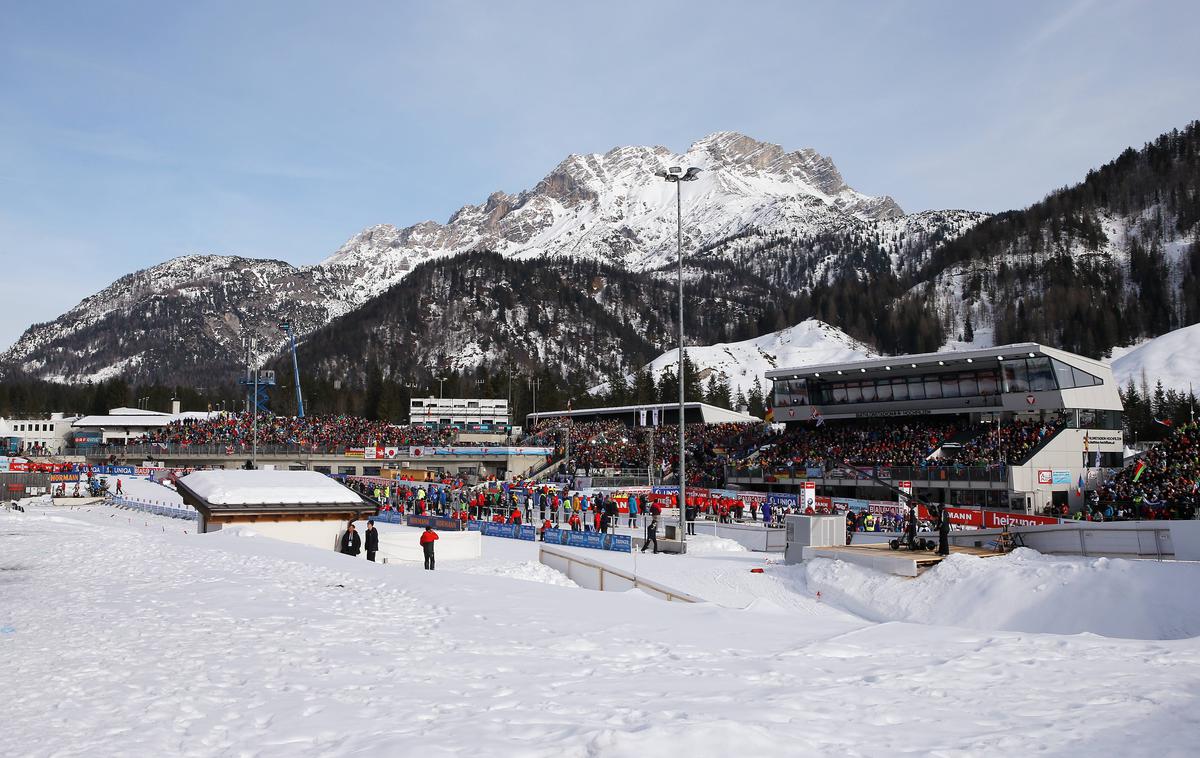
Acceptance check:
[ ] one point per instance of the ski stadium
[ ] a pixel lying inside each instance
(898, 542)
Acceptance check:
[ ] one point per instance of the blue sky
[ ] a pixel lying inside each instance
(132, 132)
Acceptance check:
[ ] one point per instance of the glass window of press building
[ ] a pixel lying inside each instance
(1014, 375)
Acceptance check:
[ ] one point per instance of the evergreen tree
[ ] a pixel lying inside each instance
(644, 390)
(755, 399)
(692, 391)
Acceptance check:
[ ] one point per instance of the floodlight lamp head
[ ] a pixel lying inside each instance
(692, 175)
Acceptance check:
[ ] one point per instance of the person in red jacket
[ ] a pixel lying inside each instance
(575, 523)
(497, 518)
(515, 516)
(546, 526)
(428, 537)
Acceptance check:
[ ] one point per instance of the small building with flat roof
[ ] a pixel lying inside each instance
(295, 506)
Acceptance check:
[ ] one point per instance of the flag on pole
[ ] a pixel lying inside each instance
(769, 416)
(1165, 422)
(1079, 487)
(1139, 468)
(817, 417)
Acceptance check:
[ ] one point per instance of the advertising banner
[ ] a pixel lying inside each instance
(809, 493)
(509, 531)
(65, 478)
(905, 492)
(437, 522)
(998, 519)
(1061, 477)
(785, 499)
(620, 543)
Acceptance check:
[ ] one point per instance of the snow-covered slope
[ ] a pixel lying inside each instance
(1173, 359)
(808, 343)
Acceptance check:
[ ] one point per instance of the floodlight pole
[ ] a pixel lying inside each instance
(254, 410)
(676, 175)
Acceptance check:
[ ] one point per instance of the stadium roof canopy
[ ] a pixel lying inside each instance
(135, 418)
(668, 414)
(900, 365)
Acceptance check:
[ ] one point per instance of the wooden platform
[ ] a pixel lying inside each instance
(880, 556)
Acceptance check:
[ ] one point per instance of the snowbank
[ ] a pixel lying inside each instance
(1025, 591)
(1172, 358)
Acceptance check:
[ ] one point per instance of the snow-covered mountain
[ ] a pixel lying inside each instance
(1173, 359)
(188, 315)
(809, 343)
(182, 320)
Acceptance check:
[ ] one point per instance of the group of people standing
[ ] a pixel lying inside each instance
(352, 542)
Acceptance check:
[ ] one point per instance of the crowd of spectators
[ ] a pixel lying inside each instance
(1168, 486)
(880, 443)
(1011, 442)
(907, 442)
(324, 433)
(599, 446)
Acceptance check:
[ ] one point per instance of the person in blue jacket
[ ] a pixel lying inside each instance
(633, 510)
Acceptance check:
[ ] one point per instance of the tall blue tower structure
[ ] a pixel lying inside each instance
(287, 328)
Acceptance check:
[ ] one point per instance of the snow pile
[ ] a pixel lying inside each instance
(809, 343)
(704, 544)
(1025, 591)
(1173, 359)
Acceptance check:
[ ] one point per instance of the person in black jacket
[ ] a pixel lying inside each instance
(351, 541)
(372, 542)
(651, 534)
(851, 525)
(944, 533)
(910, 528)
(690, 512)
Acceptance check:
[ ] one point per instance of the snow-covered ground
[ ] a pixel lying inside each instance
(122, 634)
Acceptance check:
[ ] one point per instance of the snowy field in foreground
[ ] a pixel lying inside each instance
(121, 634)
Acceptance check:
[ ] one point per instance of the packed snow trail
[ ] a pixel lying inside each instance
(127, 636)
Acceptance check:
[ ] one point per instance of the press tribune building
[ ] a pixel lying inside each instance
(982, 388)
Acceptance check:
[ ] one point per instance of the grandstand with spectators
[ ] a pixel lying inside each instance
(1024, 426)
